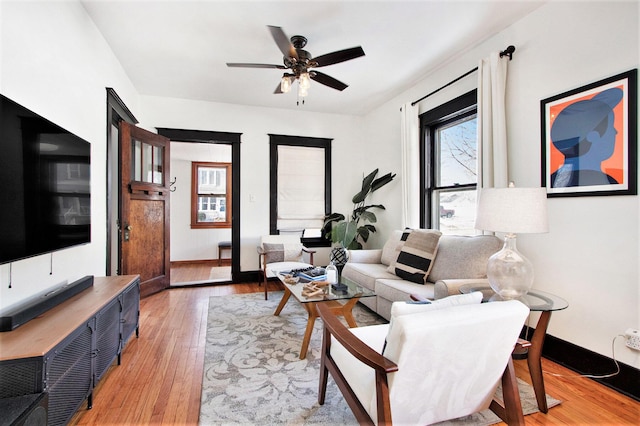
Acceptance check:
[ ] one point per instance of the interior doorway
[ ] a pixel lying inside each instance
(195, 255)
(201, 211)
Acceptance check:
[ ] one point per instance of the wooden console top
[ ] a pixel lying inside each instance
(40, 335)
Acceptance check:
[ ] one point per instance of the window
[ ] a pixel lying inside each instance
(449, 170)
(210, 195)
(300, 176)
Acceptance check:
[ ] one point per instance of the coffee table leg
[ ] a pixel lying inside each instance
(534, 360)
(313, 314)
(283, 301)
(347, 312)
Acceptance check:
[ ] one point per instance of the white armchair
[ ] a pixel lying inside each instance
(431, 363)
(278, 253)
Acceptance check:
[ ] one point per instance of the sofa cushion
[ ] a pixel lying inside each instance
(463, 256)
(416, 256)
(400, 290)
(366, 274)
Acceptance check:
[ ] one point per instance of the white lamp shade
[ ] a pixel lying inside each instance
(513, 210)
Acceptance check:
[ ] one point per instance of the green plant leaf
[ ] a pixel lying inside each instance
(366, 187)
(344, 233)
(368, 216)
(382, 181)
(363, 232)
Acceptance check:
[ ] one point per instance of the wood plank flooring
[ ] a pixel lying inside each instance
(160, 379)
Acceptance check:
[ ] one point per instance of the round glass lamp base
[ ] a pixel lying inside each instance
(510, 274)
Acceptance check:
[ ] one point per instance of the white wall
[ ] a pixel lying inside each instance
(591, 256)
(187, 243)
(255, 124)
(56, 63)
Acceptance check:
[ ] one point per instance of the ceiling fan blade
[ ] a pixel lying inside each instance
(243, 65)
(328, 81)
(339, 56)
(278, 90)
(283, 42)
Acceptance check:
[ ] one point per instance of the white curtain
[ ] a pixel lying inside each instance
(492, 125)
(410, 140)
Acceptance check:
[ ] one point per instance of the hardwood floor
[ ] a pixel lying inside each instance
(159, 381)
(200, 271)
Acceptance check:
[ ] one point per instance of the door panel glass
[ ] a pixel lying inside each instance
(136, 160)
(157, 165)
(147, 163)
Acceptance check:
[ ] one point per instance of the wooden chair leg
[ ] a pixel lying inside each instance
(265, 287)
(324, 372)
(511, 409)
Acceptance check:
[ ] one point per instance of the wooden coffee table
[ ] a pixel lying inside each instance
(333, 299)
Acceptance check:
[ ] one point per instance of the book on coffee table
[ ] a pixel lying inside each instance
(315, 274)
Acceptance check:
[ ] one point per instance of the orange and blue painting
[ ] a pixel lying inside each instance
(587, 140)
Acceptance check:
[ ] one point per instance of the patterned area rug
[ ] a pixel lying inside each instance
(252, 373)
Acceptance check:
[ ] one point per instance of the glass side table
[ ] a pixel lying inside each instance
(537, 301)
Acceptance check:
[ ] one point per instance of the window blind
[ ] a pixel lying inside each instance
(300, 187)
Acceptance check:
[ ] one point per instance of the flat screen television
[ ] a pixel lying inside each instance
(45, 197)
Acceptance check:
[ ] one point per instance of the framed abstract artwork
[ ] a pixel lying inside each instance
(589, 139)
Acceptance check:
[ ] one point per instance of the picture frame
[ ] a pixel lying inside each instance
(589, 139)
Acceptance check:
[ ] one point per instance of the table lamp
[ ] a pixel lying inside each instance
(512, 211)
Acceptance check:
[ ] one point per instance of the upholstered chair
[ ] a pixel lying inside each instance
(278, 253)
(432, 362)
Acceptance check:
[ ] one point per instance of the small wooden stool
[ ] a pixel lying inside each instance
(223, 245)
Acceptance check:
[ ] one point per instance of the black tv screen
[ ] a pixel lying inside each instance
(45, 201)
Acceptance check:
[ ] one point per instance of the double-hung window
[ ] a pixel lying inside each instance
(449, 166)
(211, 195)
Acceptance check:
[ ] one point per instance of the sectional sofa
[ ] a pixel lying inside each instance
(458, 260)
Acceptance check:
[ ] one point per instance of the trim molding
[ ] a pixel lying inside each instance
(584, 361)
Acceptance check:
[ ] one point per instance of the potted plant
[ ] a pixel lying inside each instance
(350, 232)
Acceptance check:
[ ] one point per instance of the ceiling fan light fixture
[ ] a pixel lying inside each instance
(302, 91)
(305, 80)
(285, 83)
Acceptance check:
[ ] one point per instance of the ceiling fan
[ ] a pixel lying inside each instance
(301, 64)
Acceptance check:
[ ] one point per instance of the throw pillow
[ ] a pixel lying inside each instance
(396, 250)
(273, 252)
(291, 252)
(390, 249)
(399, 309)
(416, 256)
(407, 308)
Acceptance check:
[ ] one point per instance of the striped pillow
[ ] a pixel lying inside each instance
(416, 255)
(396, 250)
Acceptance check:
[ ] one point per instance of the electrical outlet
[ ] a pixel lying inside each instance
(633, 339)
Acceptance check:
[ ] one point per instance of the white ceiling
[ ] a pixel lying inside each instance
(180, 49)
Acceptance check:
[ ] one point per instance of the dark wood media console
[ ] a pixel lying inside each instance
(66, 350)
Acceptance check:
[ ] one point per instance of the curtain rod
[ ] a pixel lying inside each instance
(506, 52)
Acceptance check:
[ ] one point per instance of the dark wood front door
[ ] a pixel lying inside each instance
(144, 215)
